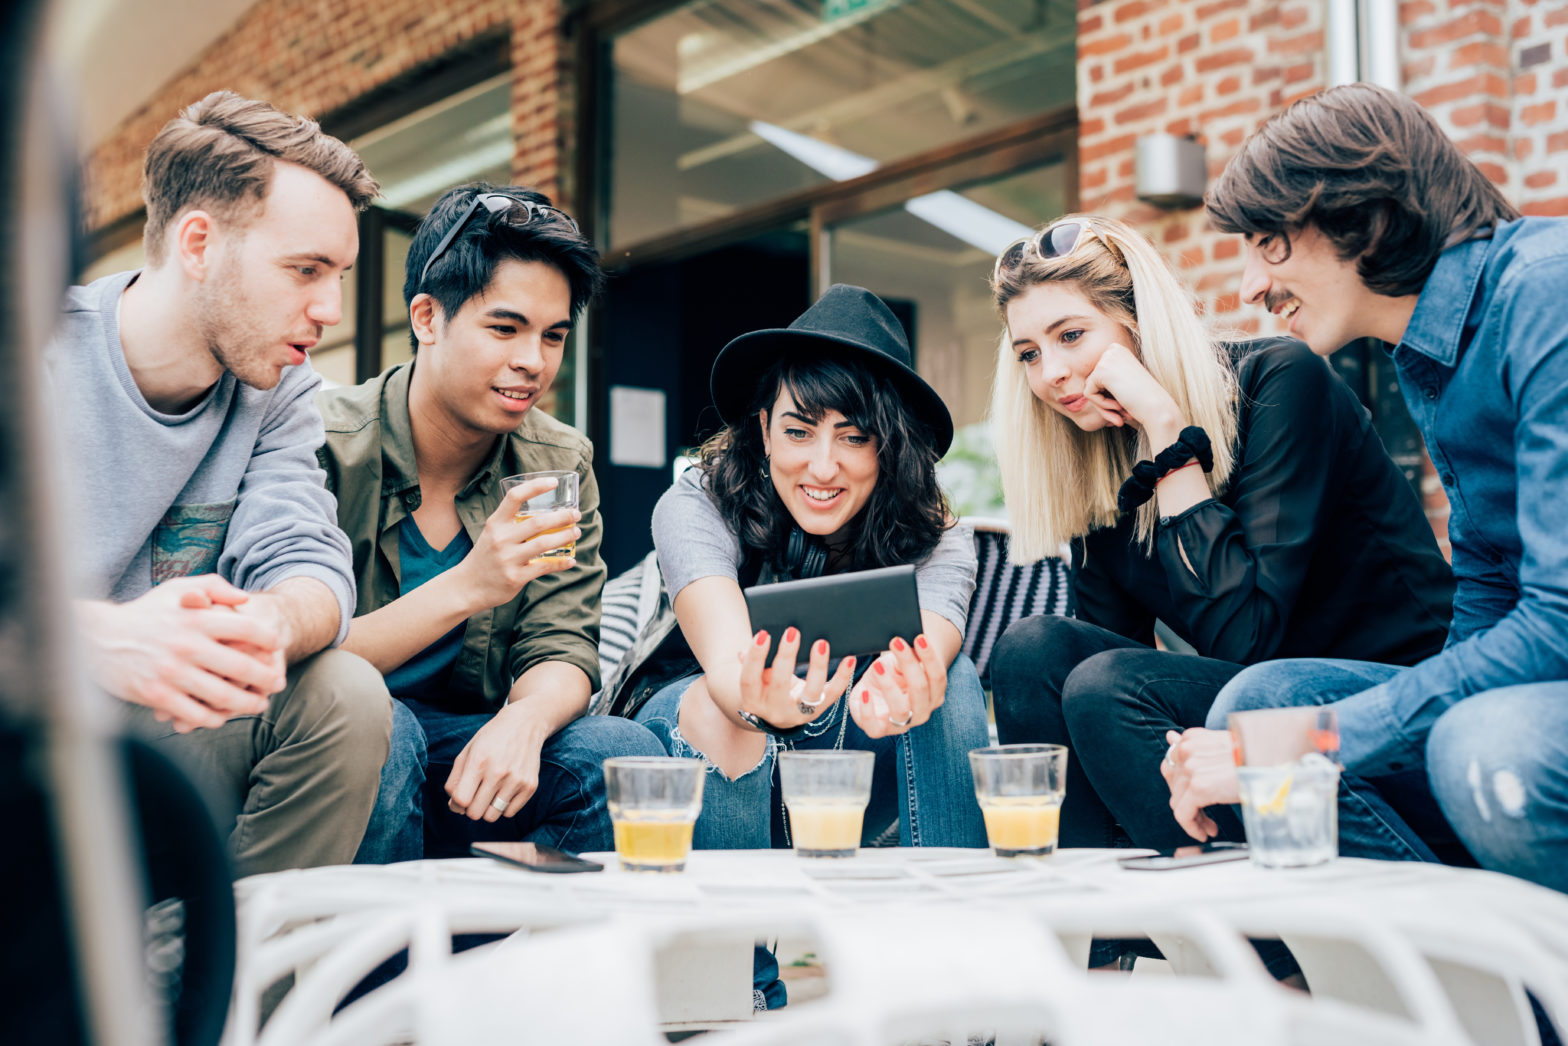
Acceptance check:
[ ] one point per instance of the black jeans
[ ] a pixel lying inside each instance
(1110, 700)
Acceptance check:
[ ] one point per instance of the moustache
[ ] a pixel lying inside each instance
(1273, 299)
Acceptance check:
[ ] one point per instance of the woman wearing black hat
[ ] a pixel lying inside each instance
(826, 465)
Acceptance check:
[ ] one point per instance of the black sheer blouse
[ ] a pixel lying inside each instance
(1318, 547)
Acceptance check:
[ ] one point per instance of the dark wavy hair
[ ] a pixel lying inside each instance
(904, 517)
(1372, 171)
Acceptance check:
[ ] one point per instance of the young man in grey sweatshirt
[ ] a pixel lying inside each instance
(213, 575)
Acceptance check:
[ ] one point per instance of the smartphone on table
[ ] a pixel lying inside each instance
(536, 857)
(1186, 857)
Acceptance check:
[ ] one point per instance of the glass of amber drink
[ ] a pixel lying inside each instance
(1020, 790)
(654, 802)
(562, 496)
(825, 795)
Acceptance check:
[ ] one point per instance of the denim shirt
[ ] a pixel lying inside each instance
(1484, 369)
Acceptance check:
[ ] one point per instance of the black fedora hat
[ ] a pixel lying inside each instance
(844, 318)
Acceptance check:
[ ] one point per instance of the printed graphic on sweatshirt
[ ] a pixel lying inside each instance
(188, 540)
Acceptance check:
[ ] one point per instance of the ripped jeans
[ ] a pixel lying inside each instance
(1496, 763)
(921, 780)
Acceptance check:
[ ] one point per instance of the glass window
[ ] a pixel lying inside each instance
(931, 260)
(726, 104)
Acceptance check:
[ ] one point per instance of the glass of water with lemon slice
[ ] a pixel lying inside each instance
(1291, 812)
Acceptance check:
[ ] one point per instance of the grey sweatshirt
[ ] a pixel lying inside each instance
(230, 487)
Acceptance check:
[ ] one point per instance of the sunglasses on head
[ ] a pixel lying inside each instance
(1054, 241)
(495, 203)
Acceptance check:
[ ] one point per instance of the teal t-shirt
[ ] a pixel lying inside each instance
(424, 676)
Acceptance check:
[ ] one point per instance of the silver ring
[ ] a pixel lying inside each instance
(1169, 752)
(499, 803)
(910, 718)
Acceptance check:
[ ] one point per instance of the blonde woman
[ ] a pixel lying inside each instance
(1235, 491)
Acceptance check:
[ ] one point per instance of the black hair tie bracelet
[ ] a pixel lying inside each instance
(1139, 487)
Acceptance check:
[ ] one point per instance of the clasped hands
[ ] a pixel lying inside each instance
(196, 650)
(905, 685)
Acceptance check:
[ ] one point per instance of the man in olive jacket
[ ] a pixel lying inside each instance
(490, 648)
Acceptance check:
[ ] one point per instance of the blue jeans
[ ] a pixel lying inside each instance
(1394, 817)
(411, 818)
(921, 778)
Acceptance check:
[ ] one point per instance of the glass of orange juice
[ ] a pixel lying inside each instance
(562, 496)
(654, 802)
(1020, 789)
(825, 795)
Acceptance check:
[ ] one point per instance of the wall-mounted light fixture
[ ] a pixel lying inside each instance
(1171, 170)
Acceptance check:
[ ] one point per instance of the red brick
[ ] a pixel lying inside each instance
(1171, 76)
(1187, 43)
(1093, 179)
(1479, 52)
(1557, 18)
(1297, 73)
(1127, 168)
(1244, 107)
(1483, 84)
(1482, 143)
(1489, 113)
(1560, 77)
(1293, 18)
(1105, 99)
(1170, 24)
(1540, 179)
(1175, 232)
(1140, 113)
(1229, 85)
(1105, 45)
(1229, 247)
(1189, 96)
(1129, 10)
(1415, 10)
(1091, 127)
(1482, 23)
(1521, 28)
(1523, 148)
(1222, 59)
(1182, 127)
(1495, 172)
(1233, 137)
(1089, 24)
(1534, 115)
(1096, 73)
(1304, 43)
(1208, 11)
(1226, 30)
(1525, 84)
(1556, 143)
(1554, 208)
(1109, 147)
(1140, 60)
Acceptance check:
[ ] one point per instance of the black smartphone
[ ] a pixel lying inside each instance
(536, 857)
(858, 613)
(1186, 857)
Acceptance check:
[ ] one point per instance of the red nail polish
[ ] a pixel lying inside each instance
(850, 662)
(791, 634)
(878, 666)
(865, 698)
(762, 639)
(900, 645)
(820, 647)
(920, 641)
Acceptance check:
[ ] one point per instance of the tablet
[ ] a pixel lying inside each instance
(858, 613)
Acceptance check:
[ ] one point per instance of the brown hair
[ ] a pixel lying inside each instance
(1370, 170)
(218, 154)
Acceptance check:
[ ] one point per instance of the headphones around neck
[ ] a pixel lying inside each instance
(805, 556)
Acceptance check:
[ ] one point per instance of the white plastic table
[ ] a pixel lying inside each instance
(1409, 940)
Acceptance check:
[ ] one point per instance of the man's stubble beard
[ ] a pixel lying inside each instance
(234, 332)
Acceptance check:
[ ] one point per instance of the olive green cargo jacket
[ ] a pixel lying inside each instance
(369, 460)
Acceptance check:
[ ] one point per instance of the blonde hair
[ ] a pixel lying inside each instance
(1059, 481)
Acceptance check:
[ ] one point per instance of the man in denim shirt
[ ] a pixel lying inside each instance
(1363, 220)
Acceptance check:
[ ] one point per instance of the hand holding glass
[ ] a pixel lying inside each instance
(654, 802)
(1020, 790)
(825, 794)
(562, 496)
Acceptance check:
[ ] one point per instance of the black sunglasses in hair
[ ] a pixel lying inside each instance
(1053, 241)
(495, 203)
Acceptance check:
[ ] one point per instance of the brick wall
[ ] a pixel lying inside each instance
(315, 58)
(1214, 68)
(1495, 75)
